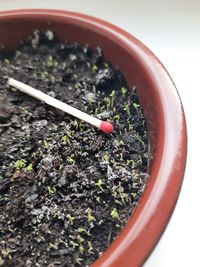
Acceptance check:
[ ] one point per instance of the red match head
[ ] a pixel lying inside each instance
(106, 127)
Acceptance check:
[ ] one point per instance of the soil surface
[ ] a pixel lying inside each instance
(66, 189)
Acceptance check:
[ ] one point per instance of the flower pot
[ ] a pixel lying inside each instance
(162, 108)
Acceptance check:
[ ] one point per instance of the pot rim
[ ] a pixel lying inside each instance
(144, 228)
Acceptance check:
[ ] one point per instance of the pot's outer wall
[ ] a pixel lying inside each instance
(162, 107)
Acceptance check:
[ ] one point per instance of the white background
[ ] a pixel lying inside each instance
(171, 29)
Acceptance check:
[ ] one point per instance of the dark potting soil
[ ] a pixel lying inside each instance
(66, 189)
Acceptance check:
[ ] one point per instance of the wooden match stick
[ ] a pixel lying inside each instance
(104, 126)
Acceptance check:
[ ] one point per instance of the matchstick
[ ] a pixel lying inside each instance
(104, 126)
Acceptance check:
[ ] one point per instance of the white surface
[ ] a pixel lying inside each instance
(171, 29)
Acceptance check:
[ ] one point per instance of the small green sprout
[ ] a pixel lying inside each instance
(65, 139)
(127, 109)
(96, 112)
(94, 89)
(114, 214)
(80, 238)
(81, 249)
(130, 162)
(107, 102)
(139, 161)
(20, 163)
(90, 247)
(88, 64)
(7, 61)
(18, 53)
(44, 74)
(137, 137)
(112, 95)
(50, 61)
(106, 65)
(99, 184)
(136, 106)
(94, 68)
(51, 189)
(124, 91)
(105, 157)
(77, 85)
(134, 194)
(71, 159)
(1, 261)
(73, 244)
(116, 117)
(46, 145)
(54, 246)
(82, 230)
(98, 199)
(70, 218)
(85, 154)
(90, 217)
(29, 168)
(91, 101)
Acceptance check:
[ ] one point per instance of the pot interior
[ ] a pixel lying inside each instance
(19, 28)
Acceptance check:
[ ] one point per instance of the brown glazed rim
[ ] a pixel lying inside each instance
(144, 228)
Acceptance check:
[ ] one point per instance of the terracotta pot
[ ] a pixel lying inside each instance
(162, 107)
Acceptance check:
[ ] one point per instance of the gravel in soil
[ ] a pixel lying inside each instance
(66, 189)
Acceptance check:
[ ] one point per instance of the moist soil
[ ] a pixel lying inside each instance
(66, 189)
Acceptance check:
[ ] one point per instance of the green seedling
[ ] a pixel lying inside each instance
(71, 160)
(20, 163)
(105, 157)
(136, 106)
(65, 139)
(130, 162)
(1, 261)
(99, 184)
(77, 85)
(50, 61)
(124, 91)
(107, 102)
(54, 246)
(106, 65)
(18, 53)
(94, 89)
(51, 189)
(127, 109)
(73, 244)
(114, 214)
(70, 218)
(94, 68)
(82, 230)
(80, 238)
(46, 145)
(116, 118)
(44, 74)
(81, 249)
(112, 95)
(29, 168)
(90, 247)
(88, 65)
(7, 61)
(85, 154)
(90, 217)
